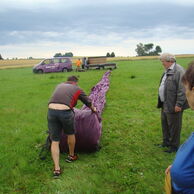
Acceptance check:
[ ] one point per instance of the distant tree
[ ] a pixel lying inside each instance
(147, 50)
(69, 54)
(112, 54)
(58, 55)
(140, 50)
(158, 50)
(108, 55)
(1, 58)
(148, 47)
(30, 58)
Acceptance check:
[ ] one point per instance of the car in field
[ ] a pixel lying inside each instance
(56, 64)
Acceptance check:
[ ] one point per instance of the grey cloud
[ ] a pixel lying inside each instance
(87, 23)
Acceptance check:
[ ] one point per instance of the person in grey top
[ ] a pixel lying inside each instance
(172, 101)
(61, 117)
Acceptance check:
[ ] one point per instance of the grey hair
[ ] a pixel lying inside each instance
(167, 57)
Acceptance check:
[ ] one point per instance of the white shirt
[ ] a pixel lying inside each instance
(162, 84)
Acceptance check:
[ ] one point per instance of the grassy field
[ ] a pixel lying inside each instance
(128, 161)
(18, 63)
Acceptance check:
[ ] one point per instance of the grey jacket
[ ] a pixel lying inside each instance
(174, 91)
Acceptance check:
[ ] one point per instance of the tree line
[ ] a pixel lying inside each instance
(70, 54)
(141, 50)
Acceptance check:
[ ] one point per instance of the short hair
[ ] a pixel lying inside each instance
(167, 57)
(188, 77)
(73, 78)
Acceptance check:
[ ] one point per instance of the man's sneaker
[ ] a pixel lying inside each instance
(71, 158)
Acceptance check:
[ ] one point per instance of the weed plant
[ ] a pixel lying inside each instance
(128, 161)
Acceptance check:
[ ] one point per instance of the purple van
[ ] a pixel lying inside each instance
(57, 64)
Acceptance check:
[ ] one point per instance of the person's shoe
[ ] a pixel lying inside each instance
(56, 173)
(171, 150)
(71, 158)
(161, 145)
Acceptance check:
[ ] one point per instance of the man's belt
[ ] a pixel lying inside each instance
(58, 106)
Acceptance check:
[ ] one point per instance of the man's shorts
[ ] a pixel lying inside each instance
(58, 120)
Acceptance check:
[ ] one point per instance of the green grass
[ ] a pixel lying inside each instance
(128, 161)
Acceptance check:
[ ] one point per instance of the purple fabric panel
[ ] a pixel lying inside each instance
(98, 94)
(88, 125)
(88, 132)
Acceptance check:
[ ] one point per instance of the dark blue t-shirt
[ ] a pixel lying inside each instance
(182, 171)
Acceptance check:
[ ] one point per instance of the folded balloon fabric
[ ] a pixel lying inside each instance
(88, 125)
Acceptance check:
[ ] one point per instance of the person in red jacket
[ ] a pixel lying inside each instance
(61, 116)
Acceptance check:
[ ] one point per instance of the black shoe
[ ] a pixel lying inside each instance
(56, 173)
(171, 150)
(161, 145)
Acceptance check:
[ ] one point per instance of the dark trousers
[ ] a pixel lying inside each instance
(171, 128)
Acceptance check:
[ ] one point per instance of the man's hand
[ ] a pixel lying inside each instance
(168, 169)
(177, 109)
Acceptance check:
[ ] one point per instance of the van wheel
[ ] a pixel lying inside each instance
(64, 70)
(39, 71)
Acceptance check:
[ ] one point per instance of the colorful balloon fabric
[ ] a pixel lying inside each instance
(88, 125)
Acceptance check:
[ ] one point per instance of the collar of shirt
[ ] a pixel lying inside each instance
(70, 82)
(170, 68)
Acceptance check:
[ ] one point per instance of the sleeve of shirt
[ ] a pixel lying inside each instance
(84, 98)
(181, 98)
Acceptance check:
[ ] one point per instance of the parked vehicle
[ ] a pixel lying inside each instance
(98, 63)
(57, 64)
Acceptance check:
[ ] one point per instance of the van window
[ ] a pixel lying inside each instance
(63, 60)
(47, 61)
(56, 60)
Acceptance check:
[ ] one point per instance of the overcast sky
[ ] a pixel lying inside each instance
(41, 28)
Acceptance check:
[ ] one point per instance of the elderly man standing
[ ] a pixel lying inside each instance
(172, 101)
